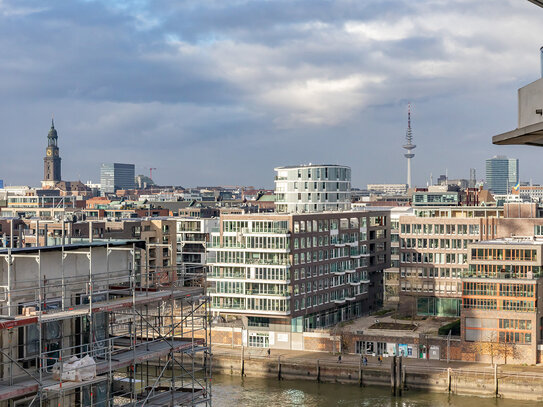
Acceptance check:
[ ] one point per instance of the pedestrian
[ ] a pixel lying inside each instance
(365, 361)
(269, 352)
(380, 359)
(339, 359)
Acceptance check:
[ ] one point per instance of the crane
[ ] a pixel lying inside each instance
(151, 172)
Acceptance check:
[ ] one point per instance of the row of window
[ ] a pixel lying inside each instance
(429, 287)
(499, 289)
(252, 258)
(431, 272)
(434, 258)
(487, 335)
(256, 273)
(251, 304)
(324, 225)
(275, 226)
(439, 229)
(251, 242)
(422, 243)
(324, 283)
(503, 271)
(504, 254)
(321, 255)
(494, 304)
(234, 287)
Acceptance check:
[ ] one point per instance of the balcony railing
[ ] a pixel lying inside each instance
(274, 293)
(502, 275)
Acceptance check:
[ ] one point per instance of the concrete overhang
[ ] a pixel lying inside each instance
(537, 2)
(529, 129)
(531, 135)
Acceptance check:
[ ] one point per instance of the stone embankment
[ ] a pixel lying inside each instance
(400, 374)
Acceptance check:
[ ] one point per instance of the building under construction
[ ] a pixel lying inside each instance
(144, 330)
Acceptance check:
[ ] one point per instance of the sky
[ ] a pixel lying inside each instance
(215, 92)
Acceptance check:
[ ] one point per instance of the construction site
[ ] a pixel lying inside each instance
(87, 325)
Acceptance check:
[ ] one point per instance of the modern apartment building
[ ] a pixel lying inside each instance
(391, 280)
(296, 272)
(114, 176)
(434, 252)
(501, 174)
(501, 293)
(312, 188)
(193, 236)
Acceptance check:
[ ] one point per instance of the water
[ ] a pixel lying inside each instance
(234, 391)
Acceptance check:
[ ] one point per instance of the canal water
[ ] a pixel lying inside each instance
(233, 391)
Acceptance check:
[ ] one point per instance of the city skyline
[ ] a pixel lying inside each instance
(159, 103)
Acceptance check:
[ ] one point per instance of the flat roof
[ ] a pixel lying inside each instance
(511, 241)
(530, 135)
(310, 165)
(75, 246)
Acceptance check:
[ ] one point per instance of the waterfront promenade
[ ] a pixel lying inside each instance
(455, 377)
(354, 359)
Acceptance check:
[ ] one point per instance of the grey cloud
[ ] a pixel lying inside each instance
(221, 92)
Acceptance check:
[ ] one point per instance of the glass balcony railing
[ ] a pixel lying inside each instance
(274, 293)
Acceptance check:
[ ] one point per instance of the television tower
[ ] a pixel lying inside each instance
(409, 145)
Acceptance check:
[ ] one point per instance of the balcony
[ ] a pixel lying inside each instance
(285, 294)
(262, 262)
(231, 276)
(277, 231)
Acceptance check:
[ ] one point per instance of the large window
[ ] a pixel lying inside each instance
(259, 340)
(442, 307)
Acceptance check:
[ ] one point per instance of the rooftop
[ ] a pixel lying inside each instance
(310, 166)
(75, 246)
(520, 240)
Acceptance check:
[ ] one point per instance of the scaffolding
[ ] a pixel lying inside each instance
(147, 331)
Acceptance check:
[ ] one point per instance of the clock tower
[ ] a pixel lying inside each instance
(51, 161)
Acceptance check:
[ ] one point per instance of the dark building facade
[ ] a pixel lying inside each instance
(114, 176)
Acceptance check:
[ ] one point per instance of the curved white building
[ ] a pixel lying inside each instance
(312, 188)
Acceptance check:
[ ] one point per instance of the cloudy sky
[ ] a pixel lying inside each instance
(220, 92)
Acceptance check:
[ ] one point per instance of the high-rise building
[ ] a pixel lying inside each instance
(472, 178)
(501, 174)
(51, 161)
(114, 176)
(312, 188)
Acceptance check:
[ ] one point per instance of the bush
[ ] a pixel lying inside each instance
(454, 327)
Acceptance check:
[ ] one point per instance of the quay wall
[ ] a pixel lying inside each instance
(459, 381)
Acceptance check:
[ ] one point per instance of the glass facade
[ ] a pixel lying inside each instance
(312, 188)
(439, 307)
(501, 174)
(117, 176)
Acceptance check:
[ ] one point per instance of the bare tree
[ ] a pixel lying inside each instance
(488, 348)
(496, 349)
